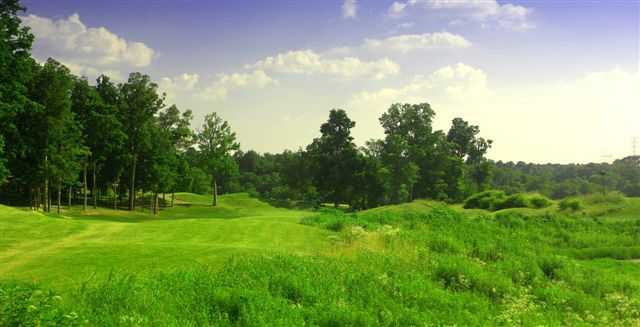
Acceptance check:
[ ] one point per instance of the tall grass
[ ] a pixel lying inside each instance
(437, 267)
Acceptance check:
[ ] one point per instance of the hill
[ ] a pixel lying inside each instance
(69, 248)
(246, 263)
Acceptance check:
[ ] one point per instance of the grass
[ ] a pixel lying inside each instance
(69, 248)
(246, 263)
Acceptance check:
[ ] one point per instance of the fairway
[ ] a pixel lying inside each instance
(75, 246)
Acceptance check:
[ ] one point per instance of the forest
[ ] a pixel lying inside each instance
(64, 140)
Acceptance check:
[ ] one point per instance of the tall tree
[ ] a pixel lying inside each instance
(409, 134)
(216, 142)
(101, 129)
(471, 148)
(112, 146)
(139, 102)
(15, 72)
(335, 157)
(57, 127)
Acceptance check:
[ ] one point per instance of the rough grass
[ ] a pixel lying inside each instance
(248, 264)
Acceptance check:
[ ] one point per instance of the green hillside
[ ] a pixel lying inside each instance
(245, 263)
(67, 248)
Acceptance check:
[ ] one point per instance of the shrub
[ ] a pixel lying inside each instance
(512, 201)
(538, 201)
(570, 204)
(484, 200)
(609, 198)
(311, 198)
(498, 200)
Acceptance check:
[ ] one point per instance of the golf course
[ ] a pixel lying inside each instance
(319, 163)
(245, 262)
(65, 248)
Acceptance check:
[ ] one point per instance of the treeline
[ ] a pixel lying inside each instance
(65, 139)
(62, 138)
(412, 161)
(560, 181)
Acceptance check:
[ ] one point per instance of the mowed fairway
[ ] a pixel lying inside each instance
(75, 246)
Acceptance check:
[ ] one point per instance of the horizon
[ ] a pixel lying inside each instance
(526, 72)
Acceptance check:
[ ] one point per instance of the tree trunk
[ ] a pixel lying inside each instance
(214, 191)
(46, 180)
(59, 195)
(151, 208)
(132, 185)
(156, 207)
(84, 187)
(115, 197)
(69, 198)
(173, 196)
(93, 187)
(164, 201)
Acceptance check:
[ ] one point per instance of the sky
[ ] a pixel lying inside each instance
(548, 81)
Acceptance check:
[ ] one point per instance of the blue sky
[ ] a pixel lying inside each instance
(549, 81)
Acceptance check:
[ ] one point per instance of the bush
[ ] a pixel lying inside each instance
(570, 204)
(609, 198)
(512, 201)
(498, 200)
(484, 200)
(539, 201)
(311, 198)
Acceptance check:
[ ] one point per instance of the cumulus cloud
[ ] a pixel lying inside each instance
(88, 49)
(225, 83)
(409, 42)
(599, 109)
(458, 81)
(174, 86)
(350, 9)
(310, 62)
(485, 11)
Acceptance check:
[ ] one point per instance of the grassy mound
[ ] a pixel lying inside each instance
(66, 249)
(421, 263)
(498, 200)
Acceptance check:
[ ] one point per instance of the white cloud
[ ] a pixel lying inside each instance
(570, 121)
(177, 85)
(397, 9)
(310, 62)
(483, 11)
(409, 42)
(350, 9)
(459, 81)
(225, 83)
(92, 73)
(406, 25)
(92, 48)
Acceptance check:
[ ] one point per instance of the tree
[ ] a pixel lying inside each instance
(177, 129)
(216, 141)
(58, 135)
(15, 73)
(335, 158)
(139, 102)
(403, 173)
(410, 138)
(469, 147)
(4, 172)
